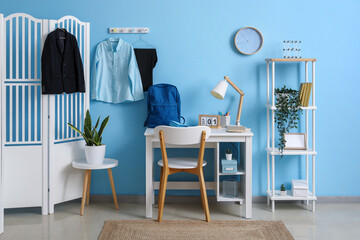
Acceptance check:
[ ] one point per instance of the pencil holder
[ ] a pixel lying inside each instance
(224, 121)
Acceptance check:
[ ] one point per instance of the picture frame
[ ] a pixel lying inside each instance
(295, 141)
(212, 121)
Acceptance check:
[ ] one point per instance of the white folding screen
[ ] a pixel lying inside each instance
(2, 49)
(65, 145)
(37, 147)
(23, 166)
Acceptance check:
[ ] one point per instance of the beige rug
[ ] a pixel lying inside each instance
(193, 229)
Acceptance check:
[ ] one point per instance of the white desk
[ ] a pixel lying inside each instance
(217, 136)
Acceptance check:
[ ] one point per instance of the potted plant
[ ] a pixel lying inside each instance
(287, 112)
(94, 149)
(282, 190)
(228, 154)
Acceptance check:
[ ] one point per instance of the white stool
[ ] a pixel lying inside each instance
(83, 164)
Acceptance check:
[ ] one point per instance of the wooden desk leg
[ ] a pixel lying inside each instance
(113, 189)
(84, 192)
(88, 189)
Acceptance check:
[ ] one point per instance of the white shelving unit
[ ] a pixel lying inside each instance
(272, 150)
(241, 188)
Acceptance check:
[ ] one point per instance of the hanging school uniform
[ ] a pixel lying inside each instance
(146, 60)
(115, 74)
(61, 66)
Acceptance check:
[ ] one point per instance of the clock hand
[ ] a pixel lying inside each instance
(245, 38)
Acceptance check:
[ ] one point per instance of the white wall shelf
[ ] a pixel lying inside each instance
(272, 150)
(241, 171)
(289, 196)
(290, 152)
(303, 108)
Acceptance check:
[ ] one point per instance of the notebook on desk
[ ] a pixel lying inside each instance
(234, 128)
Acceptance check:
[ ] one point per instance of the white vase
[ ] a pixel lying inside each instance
(228, 156)
(95, 154)
(283, 193)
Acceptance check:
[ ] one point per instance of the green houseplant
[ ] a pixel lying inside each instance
(94, 149)
(282, 190)
(287, 112)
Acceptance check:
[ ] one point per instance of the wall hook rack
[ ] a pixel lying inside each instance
(129, 30)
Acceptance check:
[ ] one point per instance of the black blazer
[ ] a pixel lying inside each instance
(61, 65)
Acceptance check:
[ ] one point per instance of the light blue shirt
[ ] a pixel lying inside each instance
(115, 75)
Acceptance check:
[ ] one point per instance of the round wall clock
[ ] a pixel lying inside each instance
(248, 40)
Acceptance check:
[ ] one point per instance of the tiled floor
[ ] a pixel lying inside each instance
(330, 221)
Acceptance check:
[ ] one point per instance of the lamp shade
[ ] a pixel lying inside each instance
(219, 90)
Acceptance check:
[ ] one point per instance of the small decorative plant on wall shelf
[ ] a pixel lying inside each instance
(282, 190)
(287, 112)
(94, 149)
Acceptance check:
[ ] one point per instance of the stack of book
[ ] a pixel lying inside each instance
(305, 92)
(299, 188)
(235, 128)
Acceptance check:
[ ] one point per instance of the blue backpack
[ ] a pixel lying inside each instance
(164, 105)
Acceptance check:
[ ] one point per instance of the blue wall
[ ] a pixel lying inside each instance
(194, 40)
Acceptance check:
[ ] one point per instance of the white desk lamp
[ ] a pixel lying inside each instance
(219, 92)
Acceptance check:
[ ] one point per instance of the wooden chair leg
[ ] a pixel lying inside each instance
(84, 192)
(88, 189)
(201, 194)
(161, 173)
(204, 195)
(162, 194)
(113, 189)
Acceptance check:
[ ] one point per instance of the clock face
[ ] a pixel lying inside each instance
(248, 40)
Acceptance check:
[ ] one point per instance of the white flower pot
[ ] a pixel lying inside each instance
(228, 156)
(95, 154)
(283, 193)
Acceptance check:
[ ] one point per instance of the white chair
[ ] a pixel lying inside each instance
(182, 136)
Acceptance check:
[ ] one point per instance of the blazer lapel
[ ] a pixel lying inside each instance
(59, 34)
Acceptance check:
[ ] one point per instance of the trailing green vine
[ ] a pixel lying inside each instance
(287, 112)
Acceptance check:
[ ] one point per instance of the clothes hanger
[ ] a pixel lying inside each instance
(63, 30)
(141, 40)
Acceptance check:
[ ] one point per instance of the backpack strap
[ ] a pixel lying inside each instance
(181, 117)
(148, 107)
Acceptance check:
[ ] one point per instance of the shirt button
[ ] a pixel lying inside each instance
(64, 64)
(64, 75)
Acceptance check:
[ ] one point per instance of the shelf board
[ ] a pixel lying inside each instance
(240, 198)
(304, 108)
(289, 196)
(239, 172)
(290, 59)
(291, 152)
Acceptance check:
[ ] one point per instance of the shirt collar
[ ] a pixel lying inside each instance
(118, 46)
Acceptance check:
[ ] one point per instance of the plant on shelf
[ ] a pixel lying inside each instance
(94, 149)
(287, 112)
(282, 190)
(228, 154)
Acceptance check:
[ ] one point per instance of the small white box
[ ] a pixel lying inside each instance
(299, 184)
(299, 187)
(300, 192)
